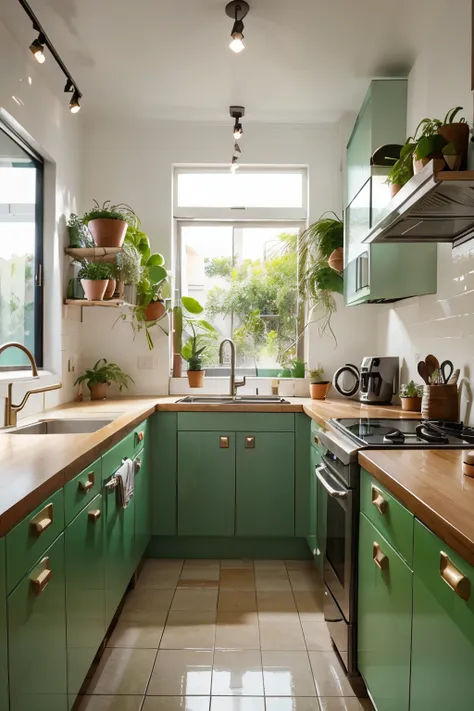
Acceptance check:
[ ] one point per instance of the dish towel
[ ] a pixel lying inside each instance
(126, 480)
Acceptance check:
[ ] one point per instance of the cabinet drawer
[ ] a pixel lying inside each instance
(315, 441)
(81, 490)
(128, 447)
(31, 537)
(236, 421)
(388, 515)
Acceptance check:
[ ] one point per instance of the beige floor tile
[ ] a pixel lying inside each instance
(123, 671)
(329, 675)
(209, 573)
(281, 617)
(168, 563)
(297, 703)
(316, 635)
(346, 703)
(236, 703)
(189, 630)
(203, 562)
(274, 601)
(300, 564)
(237, 579)
(182, 672)
(237, 601)
(176, 703)
(310, 601)
(287, 674)
(237, 673)
(269, 564)
(156, 577)
(280, 634)
(272, 581)
(195, 599)
(198, 582)
(237, 630)
(147, 604)
(305, 580)
(110, 703)
(242, 563)
(137, 634)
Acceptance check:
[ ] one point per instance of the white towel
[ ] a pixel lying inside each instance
(126, 480)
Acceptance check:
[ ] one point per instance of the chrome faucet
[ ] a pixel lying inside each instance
(234, 384)
(11, 410)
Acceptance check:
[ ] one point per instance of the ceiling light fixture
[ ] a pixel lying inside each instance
(237, 10)
(234, 166)
(237, 113)
(37, 49)
(71, 88)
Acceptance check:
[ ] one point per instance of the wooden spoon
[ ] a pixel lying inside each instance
(423, 371)
(432, 365)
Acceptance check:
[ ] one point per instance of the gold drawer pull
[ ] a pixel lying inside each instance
(250, 443)
(95, 515)
(378, 500)
(86, 486)
(380, 559)
(137, 465)
(140, 436)
(42, 579)
(316, 440)
(224, 442)
(454, 578)
(42, 520)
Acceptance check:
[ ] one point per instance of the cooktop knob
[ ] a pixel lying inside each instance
(394, 437)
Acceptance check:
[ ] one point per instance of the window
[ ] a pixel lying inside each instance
(243, 272)
(21, 243)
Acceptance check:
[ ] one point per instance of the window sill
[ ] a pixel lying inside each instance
(23, 376)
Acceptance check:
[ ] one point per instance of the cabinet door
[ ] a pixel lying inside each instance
(142, 505)
(384, 620)
(3, 631)
(119, 550)
(37, 636)
(312, 536)
(206, 483)
(85, 592)
(359, 151)
(265, 484)
(443, 627)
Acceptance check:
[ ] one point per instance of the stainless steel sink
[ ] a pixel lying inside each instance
(63, 426)
(228, 400)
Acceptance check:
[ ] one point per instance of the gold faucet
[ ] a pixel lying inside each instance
(234, 384)
(11, 410)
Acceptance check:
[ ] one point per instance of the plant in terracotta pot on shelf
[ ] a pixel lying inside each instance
(318, 388)
(410, 396)
(108, 223)
(455, 131)
(200, 335)
(401, 172)
(101, 376)
(94, 278)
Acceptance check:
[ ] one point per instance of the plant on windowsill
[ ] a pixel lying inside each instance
(200, 335)
(94, 278)
(410, 396)
(108, 223)
(318, 388)
(100, 377)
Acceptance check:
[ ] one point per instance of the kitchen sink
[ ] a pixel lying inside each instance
(63, 426)
(229, 400)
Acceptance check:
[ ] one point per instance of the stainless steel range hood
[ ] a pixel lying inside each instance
(431, 207)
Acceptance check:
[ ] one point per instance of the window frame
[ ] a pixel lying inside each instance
(38, 218)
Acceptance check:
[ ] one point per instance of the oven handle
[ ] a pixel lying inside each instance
(335, 493)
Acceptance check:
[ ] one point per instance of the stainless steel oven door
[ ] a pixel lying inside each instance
(337, 569)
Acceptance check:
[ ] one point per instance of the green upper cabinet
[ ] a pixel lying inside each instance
(3, 631)
(206, 483)
(37, 636)
(384, 620)
(265, 484)
(359, 150)
(142, 504)
(85, 592)
(164, 428)
(443, 627)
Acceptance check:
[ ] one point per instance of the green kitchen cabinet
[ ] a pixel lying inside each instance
(265, 484)
(206, 483)
(384, 621)
(142, 504)
(37, 635)
(3, 631)
(302, 479)
(443, 627)
(164, 427)
(85, 592)
(312, 503)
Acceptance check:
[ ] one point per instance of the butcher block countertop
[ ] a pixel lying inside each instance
(432, 486)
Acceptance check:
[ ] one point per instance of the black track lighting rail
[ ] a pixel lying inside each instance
(71, 85)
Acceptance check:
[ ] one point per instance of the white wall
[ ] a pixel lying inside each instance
(47, 124)
(442, 324)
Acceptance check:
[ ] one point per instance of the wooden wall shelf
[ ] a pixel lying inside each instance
(97, 254)
(109, 303)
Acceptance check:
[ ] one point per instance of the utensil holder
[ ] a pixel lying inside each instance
(440, 402)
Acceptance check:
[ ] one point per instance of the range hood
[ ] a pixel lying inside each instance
(431, 207)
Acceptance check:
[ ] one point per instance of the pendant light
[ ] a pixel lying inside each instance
(237, 10)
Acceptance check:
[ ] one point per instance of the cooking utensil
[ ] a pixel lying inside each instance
(447, 370)
(454, 378)
(432, 365)
(423, 371)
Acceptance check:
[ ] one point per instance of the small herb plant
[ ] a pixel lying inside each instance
(107, 211)
(411, 390)
(94, 271)
(78, 234)
(200, 332)
(105, 372)
(315, 374)
(129, 264)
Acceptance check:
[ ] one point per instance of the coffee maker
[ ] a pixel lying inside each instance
(375, 382)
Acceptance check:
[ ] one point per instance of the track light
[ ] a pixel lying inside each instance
(237, 148)
(74, 105)
(234, 166)
(237, 10)
(238, 130)
(237, 112)
(37, 48)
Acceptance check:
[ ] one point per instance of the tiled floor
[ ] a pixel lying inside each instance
(206, 635)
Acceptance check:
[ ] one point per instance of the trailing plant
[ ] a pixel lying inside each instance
(199, 331)
(78, 234)
(129, 264)
(315, 374)
(107, 211)
(411, 390)
(105, 372)
(94, 271)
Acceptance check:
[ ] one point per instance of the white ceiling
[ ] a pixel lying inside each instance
(305, 60)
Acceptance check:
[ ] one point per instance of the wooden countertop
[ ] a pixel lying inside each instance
(432, 486)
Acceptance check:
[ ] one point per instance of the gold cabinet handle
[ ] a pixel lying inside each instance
(42, 520)
(378, 500)
(86, 486)
(453, 577)
(94, 515)
(140, 436)
(250, 443)
(137, 465)
(224, 442)
(380, 559)
(42, 579)
(316, 440)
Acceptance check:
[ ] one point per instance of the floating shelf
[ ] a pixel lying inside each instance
(99, 254)
(110, 303)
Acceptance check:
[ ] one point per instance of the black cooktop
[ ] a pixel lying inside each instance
(423, 434)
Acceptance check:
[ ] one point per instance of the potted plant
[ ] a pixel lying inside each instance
(100, 377)
(108, 223)
(401, 172)
(297, 368)
(112, 285)
(411, 396)
(150, 292)
(94, 278)
(77, 231)
(318, 388)
(456, 135)
(129, 272)
(200, 332)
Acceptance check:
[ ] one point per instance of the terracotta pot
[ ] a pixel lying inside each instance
(94, 289)
(394, 189)
(155, 310)
(411, 404)
(110, 290)
(453, 162)
(319, 391)
(177, 365)
(336, 259)
(458, 134)
(99, 391)
(196, 378)
(107, 232)
(439, 164)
